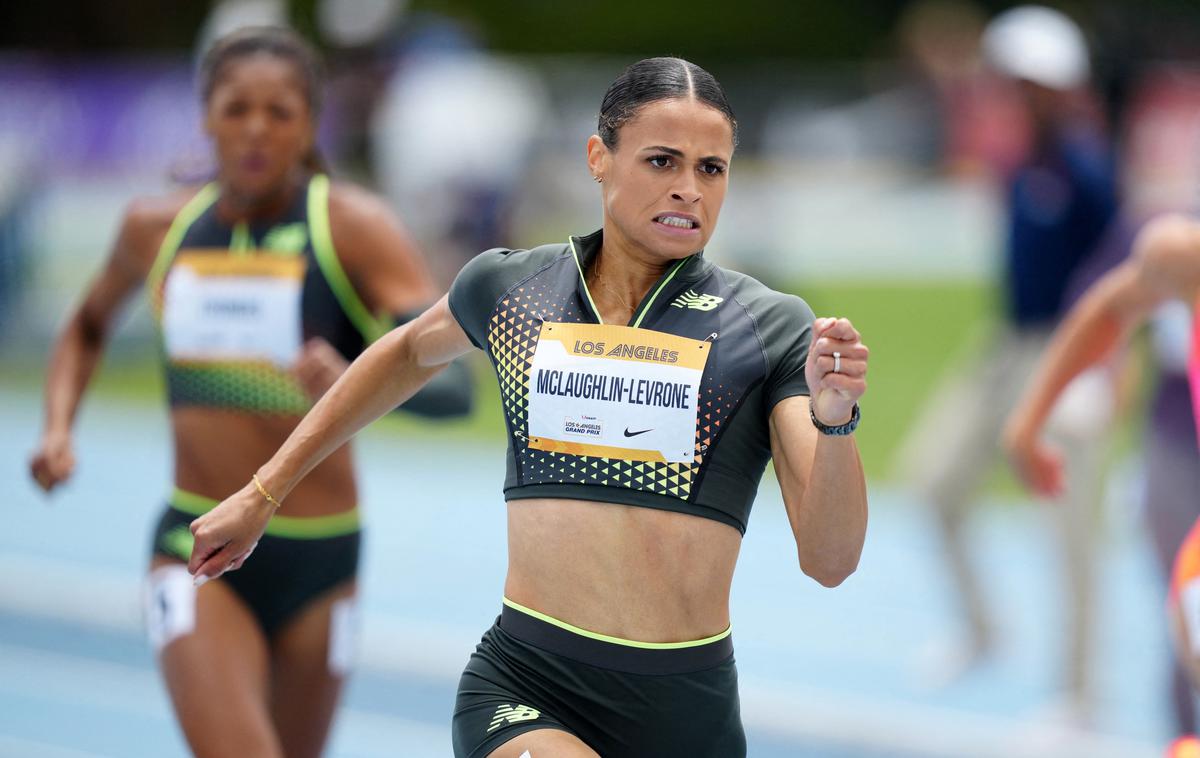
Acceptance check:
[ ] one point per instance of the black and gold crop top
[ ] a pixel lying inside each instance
(670, 411)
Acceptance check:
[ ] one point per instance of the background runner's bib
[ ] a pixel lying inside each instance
(221, 308)
(615, 392)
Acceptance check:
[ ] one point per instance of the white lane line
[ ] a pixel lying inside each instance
(90, 596)
(16, 747)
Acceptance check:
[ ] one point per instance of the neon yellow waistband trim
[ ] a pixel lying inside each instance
(291, 527)
(616, 640)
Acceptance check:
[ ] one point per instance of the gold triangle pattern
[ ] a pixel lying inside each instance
(512, 338)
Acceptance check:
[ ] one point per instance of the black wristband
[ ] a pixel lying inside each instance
(836, 431)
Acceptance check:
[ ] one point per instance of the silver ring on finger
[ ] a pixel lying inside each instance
(837, 362)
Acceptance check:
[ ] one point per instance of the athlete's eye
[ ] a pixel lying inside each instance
(281, 113)
(236, 108)
(659, 161)
(712, 169)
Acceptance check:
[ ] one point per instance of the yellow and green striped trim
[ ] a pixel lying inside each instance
(170, 245)
(583, 280)
(617, 640)
(240, 241)
(645, 305)
(652, 298)
(290, 527)
(369, 326)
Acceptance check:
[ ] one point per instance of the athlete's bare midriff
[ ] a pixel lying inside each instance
(217, 451)
(630, 572)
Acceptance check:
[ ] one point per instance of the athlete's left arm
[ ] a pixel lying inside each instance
(390, 275)
(821, 476)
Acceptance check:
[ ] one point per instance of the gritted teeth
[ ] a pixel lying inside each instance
(677, 221)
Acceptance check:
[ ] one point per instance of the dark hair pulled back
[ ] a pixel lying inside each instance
(654, 79)
(276, 41)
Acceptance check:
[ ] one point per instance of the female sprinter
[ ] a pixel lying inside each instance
(1164, 265)
(264, 284)
(645, 389)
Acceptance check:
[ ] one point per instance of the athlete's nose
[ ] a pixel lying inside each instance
(256, 125)
(687, 190)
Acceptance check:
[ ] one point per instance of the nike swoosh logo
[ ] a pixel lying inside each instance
(634, 434)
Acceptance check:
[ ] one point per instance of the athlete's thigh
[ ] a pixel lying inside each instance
(310, 655)
(216, 671)
(544, 743)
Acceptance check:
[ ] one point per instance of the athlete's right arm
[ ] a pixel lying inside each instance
(80, 345)
(1165, 264)
(386, 374)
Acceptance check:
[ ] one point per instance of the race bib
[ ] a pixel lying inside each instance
(343, 636)
(615, 392)
(227, 308)
(169, 605)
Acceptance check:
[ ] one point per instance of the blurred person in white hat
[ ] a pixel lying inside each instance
(449, 98)
(1038, 45)
(1061, 210)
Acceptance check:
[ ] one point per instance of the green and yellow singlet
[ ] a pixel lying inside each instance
(234, 304)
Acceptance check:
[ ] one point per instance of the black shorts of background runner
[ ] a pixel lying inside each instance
(287, 573)
(623, 701)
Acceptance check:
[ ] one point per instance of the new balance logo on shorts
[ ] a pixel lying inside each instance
(697, 302)
(513, 714)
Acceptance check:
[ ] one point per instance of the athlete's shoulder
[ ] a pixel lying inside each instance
(1164, 255)
(147, 218)
(1168, 239)
(519, 256)
(485, 279)
(365, 229)
(512, 264)
(152, 211)
(762, 301)
(354, 205)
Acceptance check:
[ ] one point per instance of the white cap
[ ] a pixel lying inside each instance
(357, 23)
(1038, 44)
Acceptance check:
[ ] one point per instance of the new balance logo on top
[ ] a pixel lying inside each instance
(513, 714)
(697, 302)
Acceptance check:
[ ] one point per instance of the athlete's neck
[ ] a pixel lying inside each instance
(621, 274)
(233, 206)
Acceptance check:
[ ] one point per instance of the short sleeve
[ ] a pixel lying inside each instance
(787, 329)
(476, 289)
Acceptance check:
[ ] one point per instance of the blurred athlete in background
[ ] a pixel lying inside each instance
(264, 283)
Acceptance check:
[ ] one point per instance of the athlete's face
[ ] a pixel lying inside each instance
(261, 125)
(664, 183)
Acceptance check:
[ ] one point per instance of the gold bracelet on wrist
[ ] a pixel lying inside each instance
(263, 491)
